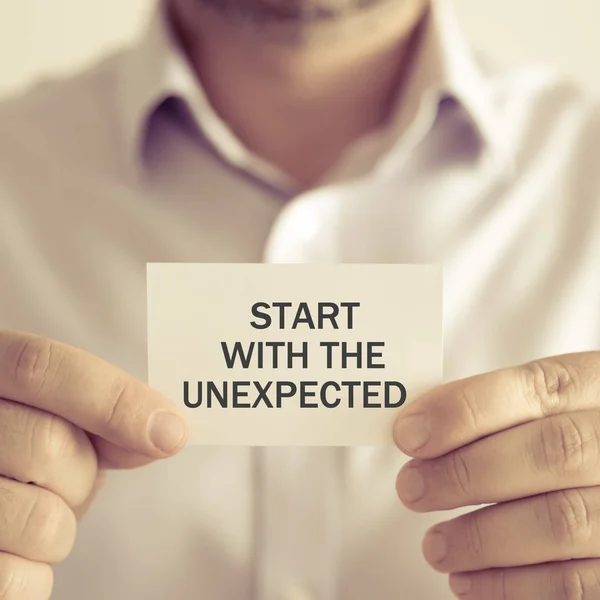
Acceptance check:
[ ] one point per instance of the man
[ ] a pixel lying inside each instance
(301, 131)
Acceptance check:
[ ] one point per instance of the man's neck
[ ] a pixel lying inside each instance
(299, 102)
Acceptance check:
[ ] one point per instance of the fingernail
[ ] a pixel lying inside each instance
(435, 547)
(411, 484)
(167, 431)
(460, 584)
(412, 433)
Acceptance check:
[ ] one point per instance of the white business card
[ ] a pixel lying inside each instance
(299, 354)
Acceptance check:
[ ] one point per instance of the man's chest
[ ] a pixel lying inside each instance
(520, 282)
(519, 253)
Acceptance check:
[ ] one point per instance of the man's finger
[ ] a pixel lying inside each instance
(111, 456)
(36, 524)
(551, 581)
(21, 578)
(464, 411)
(543, 456)
(44, 449)
(90, 393)
(557, 526)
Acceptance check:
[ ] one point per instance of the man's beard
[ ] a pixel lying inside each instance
(293, 12)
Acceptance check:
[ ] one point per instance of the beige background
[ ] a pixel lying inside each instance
(43, 37)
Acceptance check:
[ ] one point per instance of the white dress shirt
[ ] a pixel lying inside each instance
(494, 174)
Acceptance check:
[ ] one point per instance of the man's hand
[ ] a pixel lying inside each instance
(526, 440)
(65, 416)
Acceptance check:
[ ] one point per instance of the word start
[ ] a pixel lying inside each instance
(273, 355)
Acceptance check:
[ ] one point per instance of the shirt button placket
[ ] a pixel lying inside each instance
(298, 524)
(297, 593)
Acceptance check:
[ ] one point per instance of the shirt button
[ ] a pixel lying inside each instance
(297, 593)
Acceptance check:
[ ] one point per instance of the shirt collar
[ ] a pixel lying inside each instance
(443, 66)
(152, 70)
